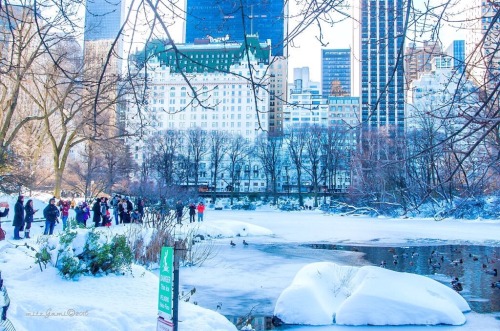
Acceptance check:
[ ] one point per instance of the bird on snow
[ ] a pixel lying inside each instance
(245, 243)
(493, 272)
(232, 244)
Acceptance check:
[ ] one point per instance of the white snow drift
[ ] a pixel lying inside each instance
(325, 293)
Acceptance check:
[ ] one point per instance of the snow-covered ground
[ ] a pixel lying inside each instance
(234, 278)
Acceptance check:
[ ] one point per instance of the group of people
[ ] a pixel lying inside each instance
(123, 212)
(193, 208)
(23, 216)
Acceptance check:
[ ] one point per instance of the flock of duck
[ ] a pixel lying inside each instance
(436, 260)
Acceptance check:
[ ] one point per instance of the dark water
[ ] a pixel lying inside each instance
(470, 264)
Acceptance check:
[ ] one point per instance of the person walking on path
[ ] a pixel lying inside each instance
(179, 208)
(28, 217)
(51, 213)
(18, 221)
(201, 210)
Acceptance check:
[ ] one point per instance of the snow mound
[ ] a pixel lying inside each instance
(230, 228)
(325, 293)
(192, 317)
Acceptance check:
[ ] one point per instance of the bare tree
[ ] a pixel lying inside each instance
(314, 156)
(218, 144)
(296, 139)
(237, 152)
(197, 148)
(269, 151)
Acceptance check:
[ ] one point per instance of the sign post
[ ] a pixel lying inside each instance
(165, 290)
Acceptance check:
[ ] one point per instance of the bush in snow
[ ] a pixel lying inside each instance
(86, 253)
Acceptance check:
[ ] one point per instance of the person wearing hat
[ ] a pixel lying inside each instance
(51, 213)
(28, 217)
(18, 222)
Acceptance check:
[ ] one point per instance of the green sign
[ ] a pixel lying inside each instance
(166, 282)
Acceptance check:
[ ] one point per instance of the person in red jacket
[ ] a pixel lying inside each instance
(64, 208)
(201, 209)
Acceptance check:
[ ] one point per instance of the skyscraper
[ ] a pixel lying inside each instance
(483, 33)
(418, 59)
(456, 51)
(103, 19)
(382, 64)
(102, 55)
(335, 67)
(235, 19)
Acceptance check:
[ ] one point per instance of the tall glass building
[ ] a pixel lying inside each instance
(382, 64)
(335, 67)
(102, 19)
(231, 20)
(457, 52)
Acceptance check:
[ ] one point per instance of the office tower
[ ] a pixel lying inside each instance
(382, 65)
(231, 20)
(483, 54)
(102, 19)
(300, 79)
(103, 48)
(456, 50)
(336, 72)
(278, 87)
(418, 59)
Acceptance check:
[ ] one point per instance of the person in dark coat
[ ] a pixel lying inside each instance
(140, 208)
(29, 211)
(179, 208)
(51, 213)
(96, 209)
(80, 215)
(122, 210)
(104, 211)
(18, 221)
(192, 212)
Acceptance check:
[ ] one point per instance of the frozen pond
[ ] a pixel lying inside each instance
(249, 279)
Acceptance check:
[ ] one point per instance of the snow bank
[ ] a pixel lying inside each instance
(43, 300)
(325, 293)
(224, 229)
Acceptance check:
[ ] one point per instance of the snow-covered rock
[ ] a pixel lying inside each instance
(325, 293)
